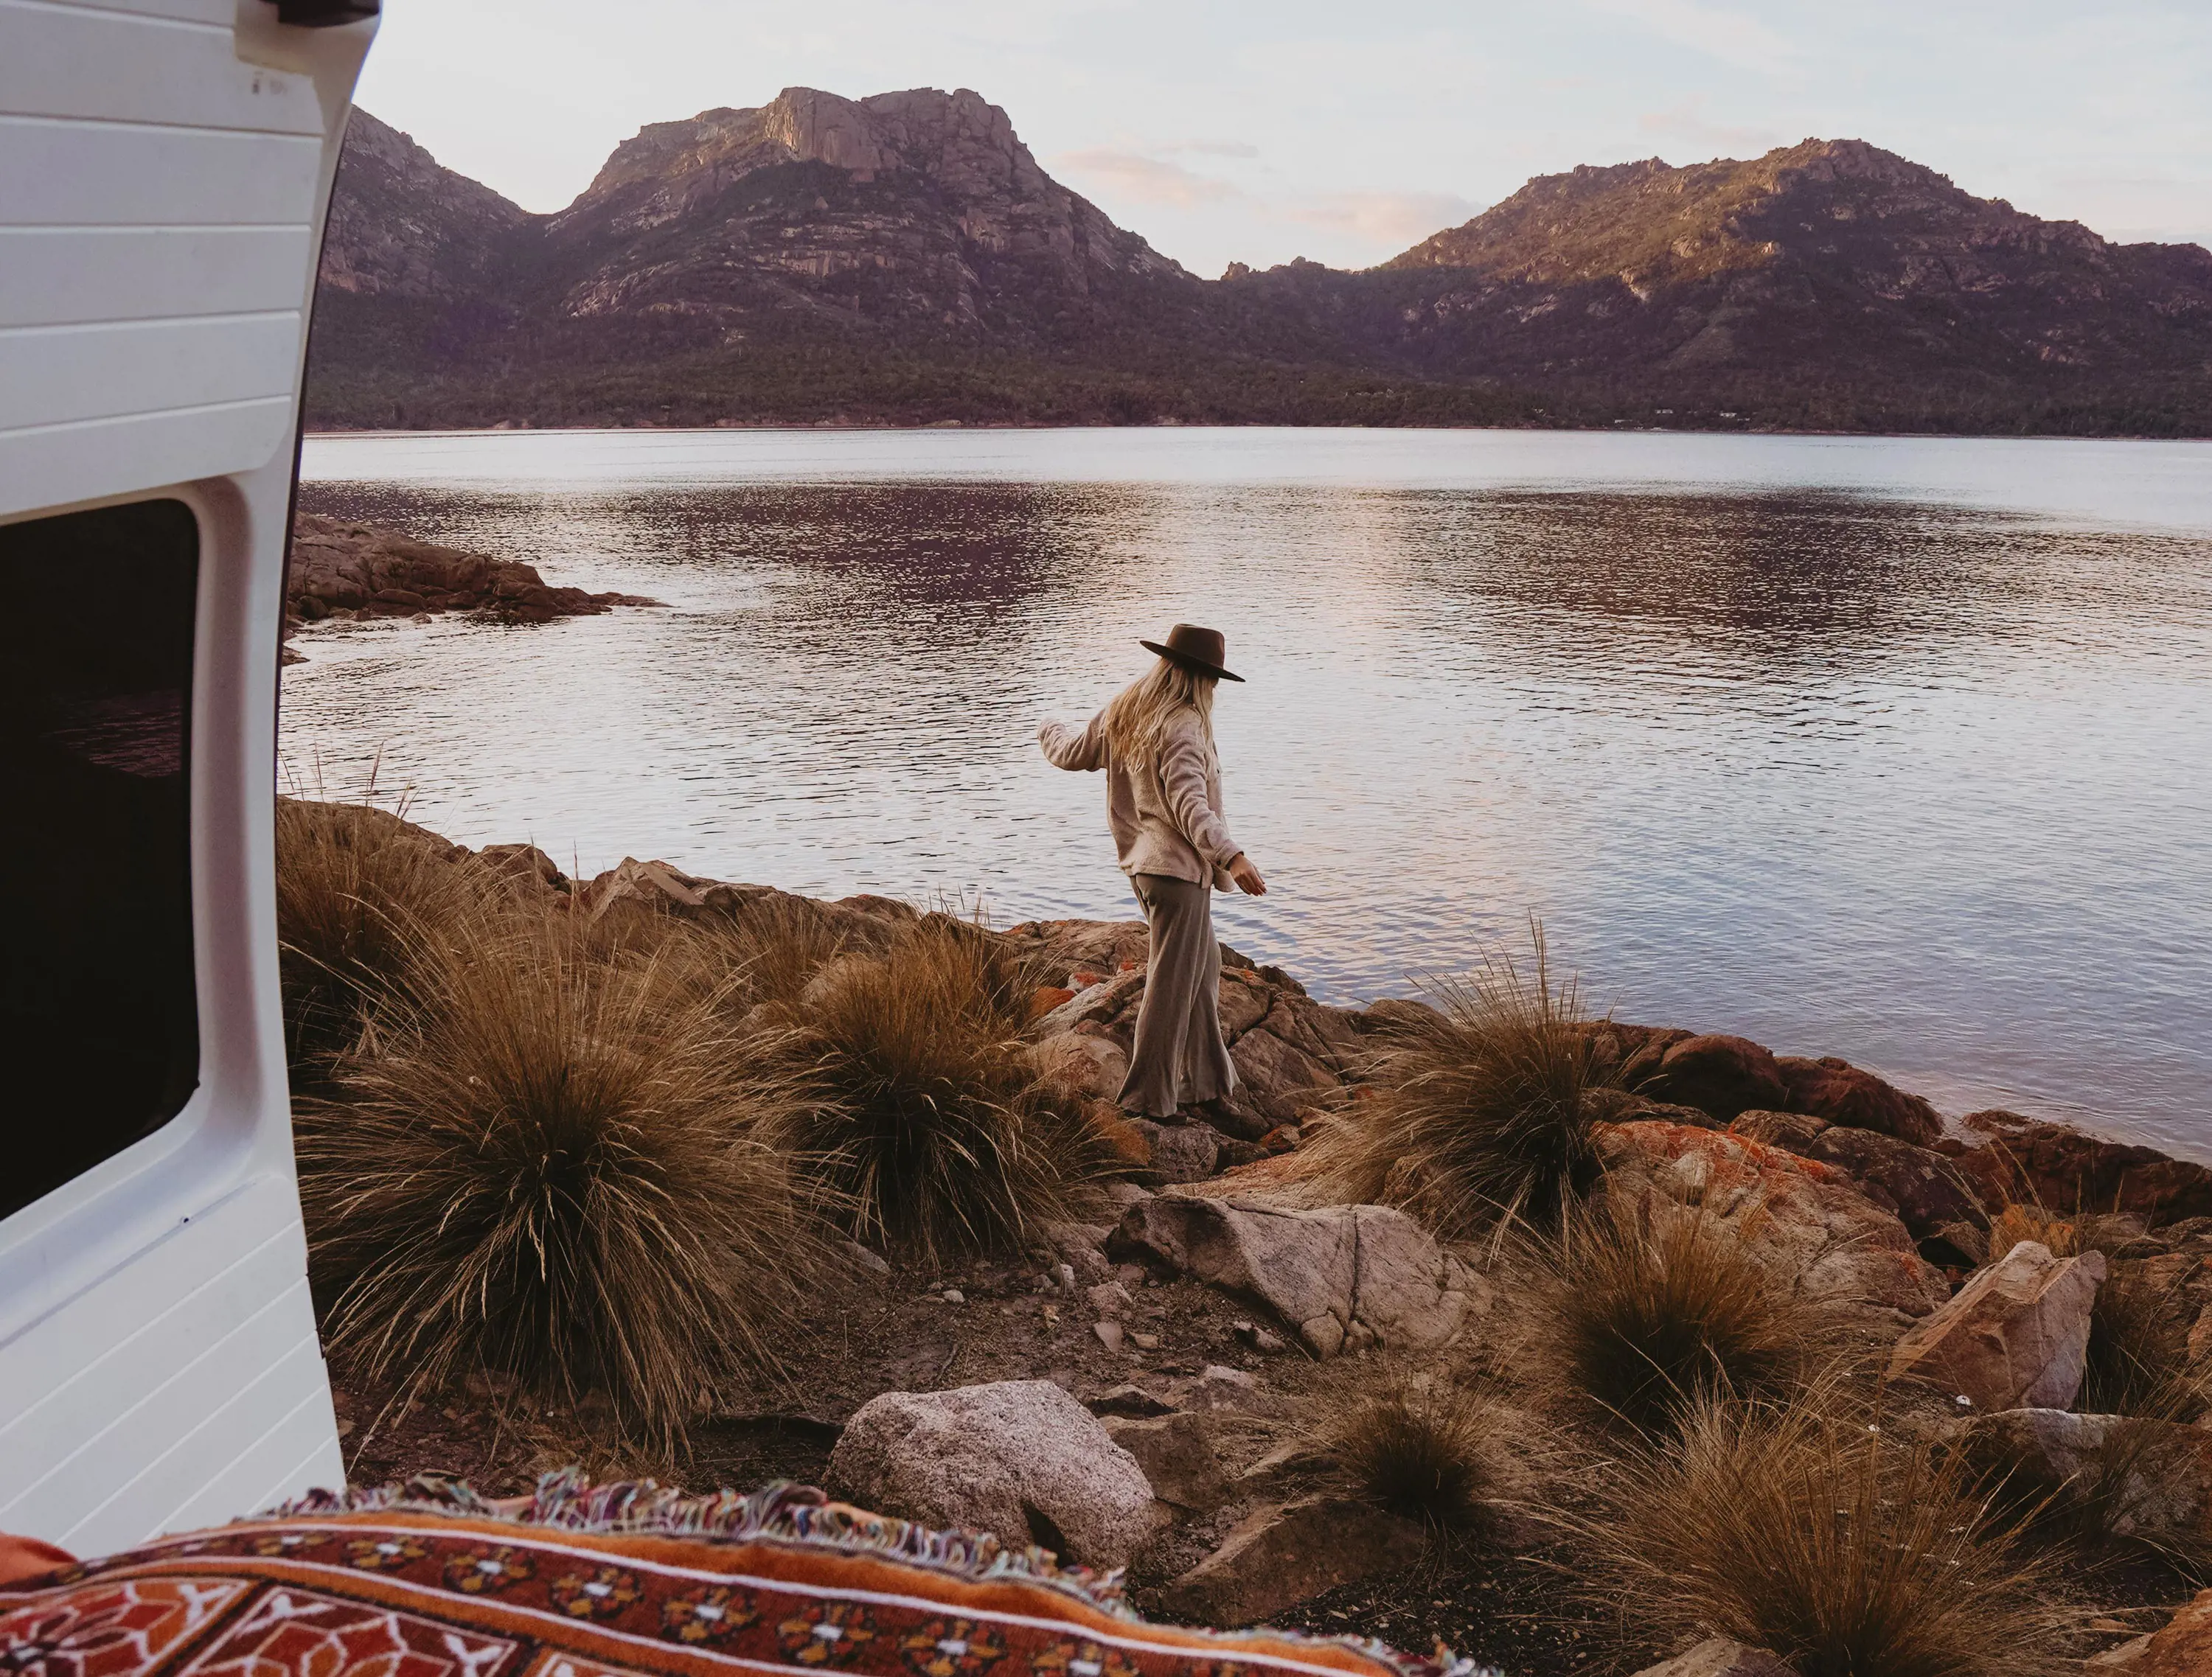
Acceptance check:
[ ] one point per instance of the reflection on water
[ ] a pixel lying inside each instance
(1917, 781)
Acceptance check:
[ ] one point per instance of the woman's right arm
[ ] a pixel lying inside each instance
(1068, 746)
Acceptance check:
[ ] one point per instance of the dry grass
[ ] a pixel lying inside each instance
(1482, 1114)
(1651, 1306)
(1428, 1451)
(354, 886)
(926, 1121)
(2064, 1233)
(549, 1168)
(1846, 1553)
(2139, 1362)
(2119, 1502)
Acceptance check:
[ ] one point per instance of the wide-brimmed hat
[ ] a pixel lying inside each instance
(1194, 648)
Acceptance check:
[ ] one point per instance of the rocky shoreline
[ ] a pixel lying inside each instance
(1298, 1058)
(341, 569)
(1155, 1389)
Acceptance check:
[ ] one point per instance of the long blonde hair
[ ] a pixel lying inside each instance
(1138, 714)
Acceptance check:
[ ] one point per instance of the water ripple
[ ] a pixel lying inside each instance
(1897, 752)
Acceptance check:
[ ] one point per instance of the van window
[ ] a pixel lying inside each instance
(98, 1027)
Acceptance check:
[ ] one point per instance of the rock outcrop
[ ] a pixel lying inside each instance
(1020, 1459)
(342, 568)
(2180, 1648)
(1848, 1096)
(1339, 1277)
(1809, 1218)
(2016, 1336)
(1937, 1200)
(2068, 1170)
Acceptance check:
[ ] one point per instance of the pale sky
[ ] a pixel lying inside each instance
(1260, 131)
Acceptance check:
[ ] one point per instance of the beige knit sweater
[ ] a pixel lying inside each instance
(1164, 821)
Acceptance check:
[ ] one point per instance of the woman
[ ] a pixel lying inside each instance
(1155, 741)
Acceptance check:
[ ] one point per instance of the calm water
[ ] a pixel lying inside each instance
(1900, 749)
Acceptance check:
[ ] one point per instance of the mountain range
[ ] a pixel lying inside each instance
(904, 258)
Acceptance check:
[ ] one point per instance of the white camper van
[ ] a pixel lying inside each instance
(165, 166)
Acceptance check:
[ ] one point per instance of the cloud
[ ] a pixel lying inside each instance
(1688, 124)
(1237, 149)
(1139, 178)
(1394, 219)
(1730, 37)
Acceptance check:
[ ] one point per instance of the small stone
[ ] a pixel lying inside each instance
(1283, 1553)
(1109, 1298)
(1108, 1333)
(1219, 1387)
(1188, 1153)
(1131, 1401)
(1721, 1658)
(865, 1263)
(1176, 1453)
(1145, 1341)
(1123, 1195)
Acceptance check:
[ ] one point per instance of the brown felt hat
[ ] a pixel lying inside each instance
(1194, 648)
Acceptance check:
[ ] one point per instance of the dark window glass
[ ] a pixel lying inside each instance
(98, 1028)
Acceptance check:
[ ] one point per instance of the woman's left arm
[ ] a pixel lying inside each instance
(1183, 767)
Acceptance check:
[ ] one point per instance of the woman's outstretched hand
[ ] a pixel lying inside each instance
(1247, 876)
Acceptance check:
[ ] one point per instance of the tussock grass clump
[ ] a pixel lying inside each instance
(2119, 1499)
(1482, 1114)
(551, 1170)
(356, 885)
(2139, 1362)
(1653, 1306)
(1846, 1553)
(1427, 1451)
(2066, 1234)
(926, 1121)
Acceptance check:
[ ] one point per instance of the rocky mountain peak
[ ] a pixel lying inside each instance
(406, 225)
(921, 204)
(958, 143)
(1649, 222)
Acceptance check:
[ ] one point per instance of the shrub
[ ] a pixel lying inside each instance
(1425, 1452)
(1483, 1112)
(1845, 1553)
(551, 1171)
(1653, 1305)
(926, 1121)
(355, 887)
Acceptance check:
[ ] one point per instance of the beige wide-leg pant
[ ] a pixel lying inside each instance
(1179, 1058)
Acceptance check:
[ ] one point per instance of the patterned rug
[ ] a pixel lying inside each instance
(431, 1580)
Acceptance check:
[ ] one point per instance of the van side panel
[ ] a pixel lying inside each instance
(164, 169)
